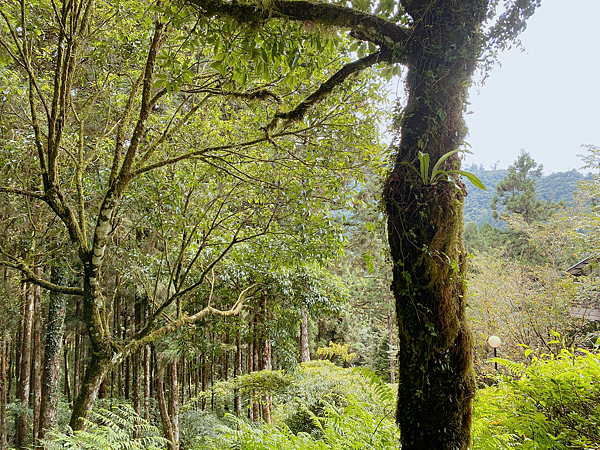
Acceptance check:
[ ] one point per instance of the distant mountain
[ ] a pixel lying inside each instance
(557, 187)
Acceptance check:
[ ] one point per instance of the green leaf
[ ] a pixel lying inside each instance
(471, 177)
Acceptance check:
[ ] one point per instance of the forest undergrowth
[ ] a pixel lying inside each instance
(552, 403)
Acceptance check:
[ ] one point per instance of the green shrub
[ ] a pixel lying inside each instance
(354, 427)
(327, 407)
(552, 404)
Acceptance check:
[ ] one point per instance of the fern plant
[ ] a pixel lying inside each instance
(554, 403)
(109, 429)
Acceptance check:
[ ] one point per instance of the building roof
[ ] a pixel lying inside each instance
(577, 269)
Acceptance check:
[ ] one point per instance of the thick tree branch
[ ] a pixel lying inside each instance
(23, 192)
(30, 276)
(145, 336)
(298, 113)
(374, 28)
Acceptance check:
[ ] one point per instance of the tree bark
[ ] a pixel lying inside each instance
(67, 383)
(137, 361)
(392, 354)
(256, 362)
(267, 365)
(174, 403)
(3, 395)
(164, 414)
(436, 383)
(266, 355)
(237, 399)
(390, 326)
(85, 401)
(36, 368)
(304, 348)
(77, 351)
(21, 421)
(147, 381)
(52, 357)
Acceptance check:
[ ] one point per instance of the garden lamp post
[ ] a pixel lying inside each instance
(494, 342)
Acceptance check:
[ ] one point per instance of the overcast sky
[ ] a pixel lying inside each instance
(546, 99)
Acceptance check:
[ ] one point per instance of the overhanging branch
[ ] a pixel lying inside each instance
(30, 276)
(143, 337)
(374, 28)
(23, 192)
(326, 88)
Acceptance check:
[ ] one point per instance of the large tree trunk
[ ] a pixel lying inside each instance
(23, 387)
(52, 358)
(436, 383)
(84, 403)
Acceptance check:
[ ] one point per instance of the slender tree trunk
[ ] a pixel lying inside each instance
(390, 327)
(174, 403)
(392, 353)
(256, 362)
(22, 422)
(304, 348)
(52, 357)
(77, 352)
(11, 367)
(147, 380)
(67, 383)
(36, 368)
(436, 382)
(118, 332)
(127, 362)
(137, 362)
(212, 383)
(3, 396)
(267, 365)
(204, 376)
(182, 379)
(237, 399)
(164, 414)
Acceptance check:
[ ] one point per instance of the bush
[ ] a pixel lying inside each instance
(327, 407)
(356, 426)
(553, 403)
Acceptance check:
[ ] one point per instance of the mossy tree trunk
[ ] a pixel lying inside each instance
(425, 224)
(53, 349)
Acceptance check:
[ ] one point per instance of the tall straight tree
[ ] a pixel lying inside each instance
(440, 42)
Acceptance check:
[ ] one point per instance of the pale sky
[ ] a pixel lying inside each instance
(546, 99)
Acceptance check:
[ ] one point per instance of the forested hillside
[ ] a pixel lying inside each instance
(558, 187)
